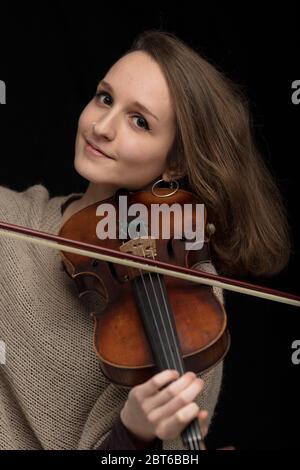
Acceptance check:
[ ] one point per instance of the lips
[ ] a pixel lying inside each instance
(95, 147)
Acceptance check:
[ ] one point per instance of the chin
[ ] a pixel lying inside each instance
(87, 170)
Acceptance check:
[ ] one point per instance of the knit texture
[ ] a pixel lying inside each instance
(53, 394)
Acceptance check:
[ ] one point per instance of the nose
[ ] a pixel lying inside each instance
(104, 127)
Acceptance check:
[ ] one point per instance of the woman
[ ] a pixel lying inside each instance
(197, 130)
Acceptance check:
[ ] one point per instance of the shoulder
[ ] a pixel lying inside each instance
(209, 267)
(20, 206)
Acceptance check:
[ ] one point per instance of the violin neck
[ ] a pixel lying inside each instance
(158, 320)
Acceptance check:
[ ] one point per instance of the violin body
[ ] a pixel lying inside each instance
(124, 350)
(147, 318)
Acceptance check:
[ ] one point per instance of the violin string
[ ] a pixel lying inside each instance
(191, 439)
(195, 435)
(158, 330)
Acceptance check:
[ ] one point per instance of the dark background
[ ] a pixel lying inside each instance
(52, 56)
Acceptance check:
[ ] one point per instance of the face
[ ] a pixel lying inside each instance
(137, 142)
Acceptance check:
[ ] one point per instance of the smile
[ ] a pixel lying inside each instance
(95, 151)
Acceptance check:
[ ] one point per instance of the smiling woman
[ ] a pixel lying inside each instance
(111, 123)
(161, 112)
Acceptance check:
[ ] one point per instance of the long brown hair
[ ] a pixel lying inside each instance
(214, 150)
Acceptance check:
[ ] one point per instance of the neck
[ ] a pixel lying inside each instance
(94, 193)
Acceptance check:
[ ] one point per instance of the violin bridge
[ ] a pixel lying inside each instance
(141, 246)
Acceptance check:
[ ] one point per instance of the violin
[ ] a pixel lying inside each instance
(151, 322)
(159, 312)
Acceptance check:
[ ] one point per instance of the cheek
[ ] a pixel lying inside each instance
(84, 125)
(147, 154)
(142, 160)
(86, 118)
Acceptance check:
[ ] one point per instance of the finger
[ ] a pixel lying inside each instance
(153, 385)
(171, 404)
(171, 391)
(203, 422)
(171, 428)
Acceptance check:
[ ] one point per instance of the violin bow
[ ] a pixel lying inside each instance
(152, 265)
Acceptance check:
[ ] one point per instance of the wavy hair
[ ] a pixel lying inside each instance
(214, 151)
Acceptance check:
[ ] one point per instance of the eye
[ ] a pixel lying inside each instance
(140, 118)
(147, 128)
(99, 93)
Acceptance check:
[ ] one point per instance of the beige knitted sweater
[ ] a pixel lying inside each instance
(53, 394)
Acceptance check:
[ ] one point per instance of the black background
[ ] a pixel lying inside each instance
(52, 56)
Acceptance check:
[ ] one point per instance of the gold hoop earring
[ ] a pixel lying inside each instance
(172, 183)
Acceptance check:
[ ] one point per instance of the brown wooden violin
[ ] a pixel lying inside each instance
(151, 322)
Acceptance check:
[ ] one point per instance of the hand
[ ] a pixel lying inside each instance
(151, 411)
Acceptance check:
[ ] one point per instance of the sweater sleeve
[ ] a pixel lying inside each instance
(120, 438)
(23, 207)
(10, 206)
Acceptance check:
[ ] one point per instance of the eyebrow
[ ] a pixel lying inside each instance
(135, 103)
